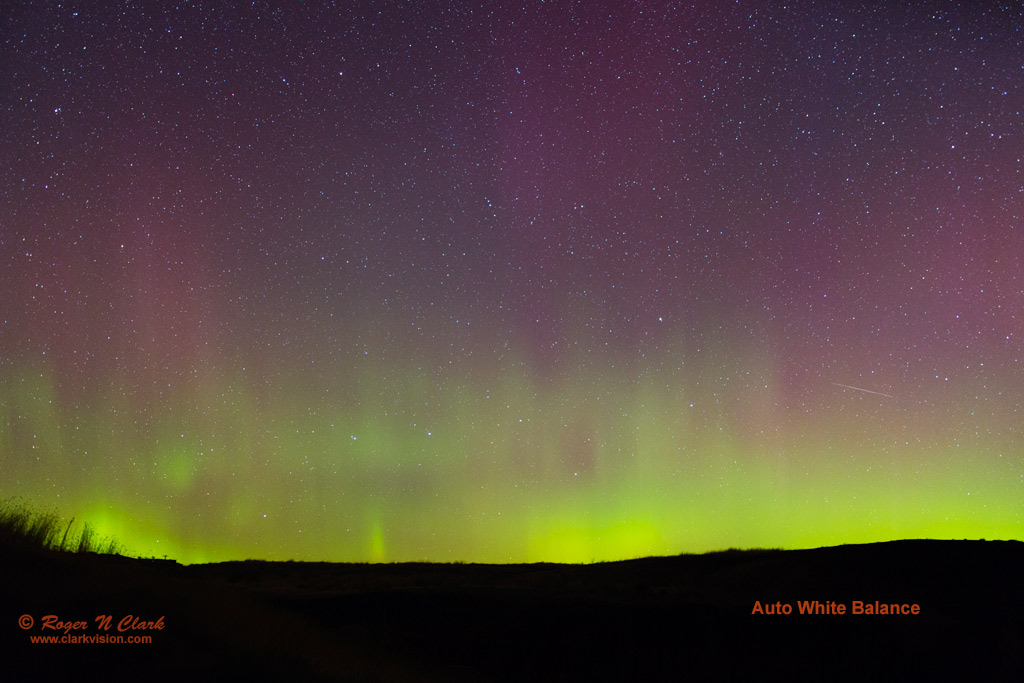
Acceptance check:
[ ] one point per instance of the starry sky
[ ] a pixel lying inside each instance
(574, 281)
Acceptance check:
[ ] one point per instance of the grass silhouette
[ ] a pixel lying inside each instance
(26, 529)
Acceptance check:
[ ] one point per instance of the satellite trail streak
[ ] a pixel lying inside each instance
(866, 391)
(764, 258)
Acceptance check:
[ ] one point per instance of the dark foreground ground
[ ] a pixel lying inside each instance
(672, 618)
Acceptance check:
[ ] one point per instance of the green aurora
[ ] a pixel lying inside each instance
(512, 282)
(503, 469)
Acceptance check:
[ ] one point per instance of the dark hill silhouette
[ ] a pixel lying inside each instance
(678, 618)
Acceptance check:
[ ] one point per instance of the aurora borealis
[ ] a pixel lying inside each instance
(388, 281)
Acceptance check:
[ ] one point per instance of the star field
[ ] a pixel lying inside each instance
(468, 281)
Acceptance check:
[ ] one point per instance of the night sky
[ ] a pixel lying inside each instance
(389, 281)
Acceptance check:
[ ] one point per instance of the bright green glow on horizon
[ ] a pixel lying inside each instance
(503, 469)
